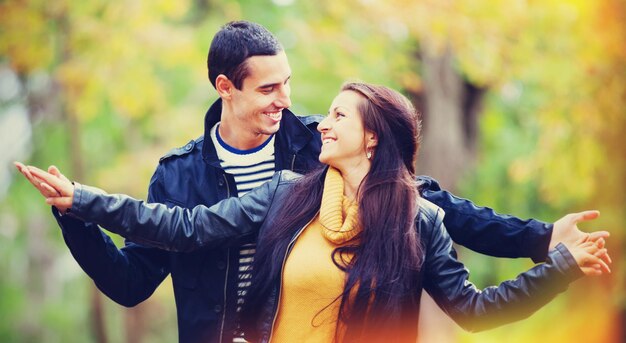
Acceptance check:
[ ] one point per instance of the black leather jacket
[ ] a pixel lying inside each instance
(234, 219)
(205, 280)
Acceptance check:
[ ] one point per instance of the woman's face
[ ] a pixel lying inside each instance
(343, 135)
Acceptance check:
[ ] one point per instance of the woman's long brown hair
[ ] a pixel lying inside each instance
(380, 277)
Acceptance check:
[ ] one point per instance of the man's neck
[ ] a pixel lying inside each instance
(240, 138)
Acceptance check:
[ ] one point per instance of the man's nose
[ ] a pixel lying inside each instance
(283, 100)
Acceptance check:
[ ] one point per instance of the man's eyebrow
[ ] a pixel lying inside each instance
(267, 85)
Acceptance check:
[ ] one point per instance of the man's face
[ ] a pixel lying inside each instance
(264, 94)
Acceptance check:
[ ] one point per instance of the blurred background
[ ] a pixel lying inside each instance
(524, 106)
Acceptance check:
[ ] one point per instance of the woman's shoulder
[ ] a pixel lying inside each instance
(429, 217)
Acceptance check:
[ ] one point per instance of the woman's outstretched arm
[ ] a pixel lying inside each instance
(176, 228)
(447, 280)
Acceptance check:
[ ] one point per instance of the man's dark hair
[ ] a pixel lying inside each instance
(234, 44)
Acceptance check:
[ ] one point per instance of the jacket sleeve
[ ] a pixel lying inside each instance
(176, 229)
(128, 275)
(447, 281)
(485, 231)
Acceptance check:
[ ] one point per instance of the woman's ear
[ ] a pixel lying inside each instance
(371, 140)
(223, 86)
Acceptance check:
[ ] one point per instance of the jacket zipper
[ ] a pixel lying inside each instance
(289, 247)
(225, 288)
(227, 270)
(293, 162)
(227, 185)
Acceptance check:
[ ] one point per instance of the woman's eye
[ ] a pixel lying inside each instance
(340, 115)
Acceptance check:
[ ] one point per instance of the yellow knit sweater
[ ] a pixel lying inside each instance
(311, 283)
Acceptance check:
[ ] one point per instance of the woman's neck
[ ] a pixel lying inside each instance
(352, 178)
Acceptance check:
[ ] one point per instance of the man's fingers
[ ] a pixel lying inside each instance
(589, 246)
(593, 249)
(600, 242)
(61, 203)
(585, 215)
(594, 236)
(56, 172)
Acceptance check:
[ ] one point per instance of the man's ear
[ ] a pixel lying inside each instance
(224, 87)
(371, 140)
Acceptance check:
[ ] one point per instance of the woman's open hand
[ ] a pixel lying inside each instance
(53, 185)
(589, 256)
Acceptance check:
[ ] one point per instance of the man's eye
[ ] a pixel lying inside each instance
(267, 90)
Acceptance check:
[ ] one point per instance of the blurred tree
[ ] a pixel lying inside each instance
(530, 94)
(103, 61)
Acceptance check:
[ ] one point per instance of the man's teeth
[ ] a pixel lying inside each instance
(273, 115)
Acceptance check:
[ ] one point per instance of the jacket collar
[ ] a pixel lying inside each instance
(293, 135)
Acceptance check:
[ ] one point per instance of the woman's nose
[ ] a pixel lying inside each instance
(323, 125)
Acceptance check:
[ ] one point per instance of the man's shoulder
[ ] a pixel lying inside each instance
(312, 119)
(287, 176)
(186, 151)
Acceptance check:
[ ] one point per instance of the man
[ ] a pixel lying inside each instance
(249, 134)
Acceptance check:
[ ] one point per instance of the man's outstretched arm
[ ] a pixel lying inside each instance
(485, 231)
(128, 275)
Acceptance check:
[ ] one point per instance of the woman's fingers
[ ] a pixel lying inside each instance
(590, 271)
(57, 189)
(591, 259)
(49, 189)
(600, 243)
(36, 182)
(597, 248)
(62, 186)
(606, 258)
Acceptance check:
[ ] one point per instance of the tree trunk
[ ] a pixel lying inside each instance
(70, 93)
(449, 107)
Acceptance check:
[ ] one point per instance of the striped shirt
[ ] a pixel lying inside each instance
(250, 168)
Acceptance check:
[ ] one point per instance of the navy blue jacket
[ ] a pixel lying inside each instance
(232, 220)
(204, 280)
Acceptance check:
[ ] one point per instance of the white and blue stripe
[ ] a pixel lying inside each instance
(250, 168)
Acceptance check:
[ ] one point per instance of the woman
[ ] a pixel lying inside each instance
(344, 252)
